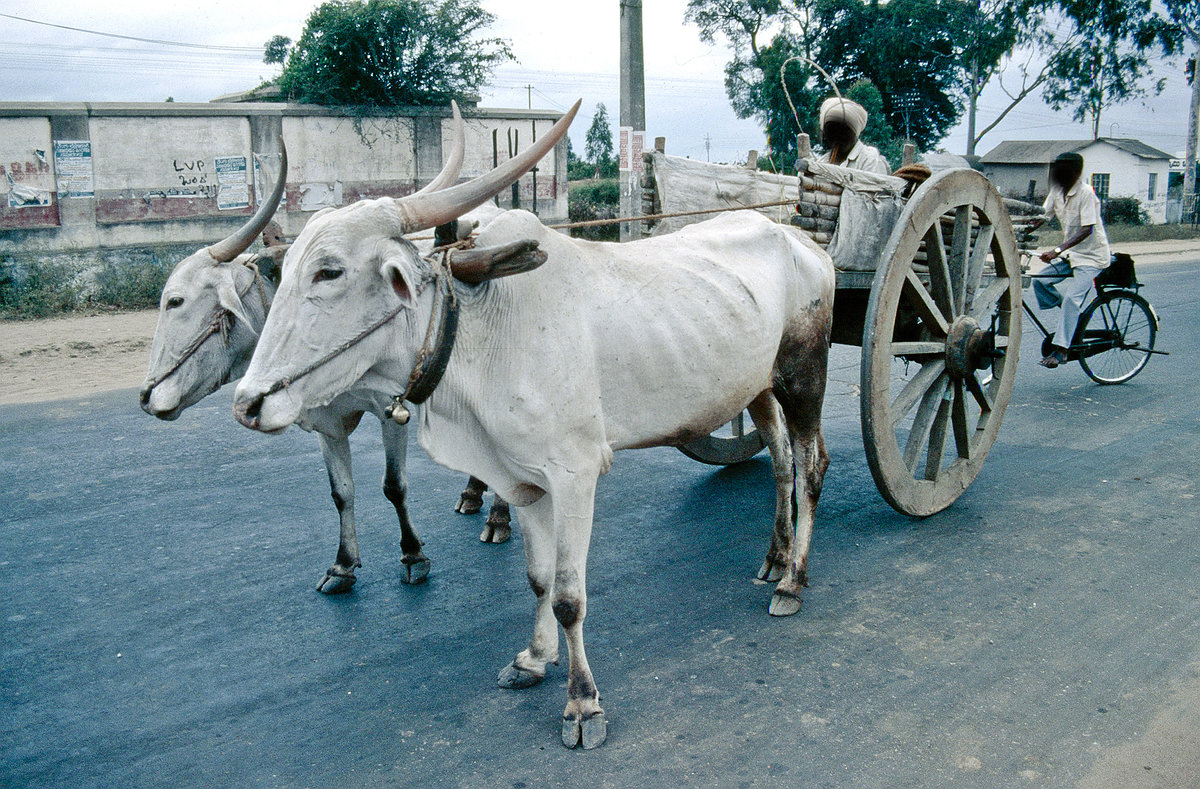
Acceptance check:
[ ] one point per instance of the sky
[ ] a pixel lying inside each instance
(565, 51)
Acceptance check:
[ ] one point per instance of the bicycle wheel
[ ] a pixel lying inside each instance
(1115, 332)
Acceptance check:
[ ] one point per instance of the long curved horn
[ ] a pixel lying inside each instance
(435, 208)
(226, 250)
(449, 173)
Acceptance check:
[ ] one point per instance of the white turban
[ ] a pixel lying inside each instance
(848, 112)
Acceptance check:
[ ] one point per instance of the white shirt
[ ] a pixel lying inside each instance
(862, 157)
(1076, 210)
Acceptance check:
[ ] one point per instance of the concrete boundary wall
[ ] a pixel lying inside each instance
(80, 177)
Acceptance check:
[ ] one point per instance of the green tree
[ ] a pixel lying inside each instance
(1107, 61)
(276, 50)
(391, 52)
(598, 144)
(1185, 29)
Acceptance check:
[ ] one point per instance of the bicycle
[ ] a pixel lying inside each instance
(1117, 329)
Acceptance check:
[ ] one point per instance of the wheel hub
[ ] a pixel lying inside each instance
(968, 348)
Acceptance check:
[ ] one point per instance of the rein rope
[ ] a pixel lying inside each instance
(220, 322)
(441, 265)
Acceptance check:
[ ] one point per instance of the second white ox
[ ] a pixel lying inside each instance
(604, 347)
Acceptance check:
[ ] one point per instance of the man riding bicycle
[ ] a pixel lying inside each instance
(1077, 208)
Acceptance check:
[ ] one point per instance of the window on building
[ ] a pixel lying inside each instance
(1100, 186)
(1153, 188)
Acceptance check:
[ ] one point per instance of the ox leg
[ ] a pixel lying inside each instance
(528, 668)
(499, 523)
(395, 487)
(583, 721)
(800, 389)
(340, 577)
(471, 500)
(768, 418)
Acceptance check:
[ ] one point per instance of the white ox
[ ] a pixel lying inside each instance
(212, 308)
(604, 347)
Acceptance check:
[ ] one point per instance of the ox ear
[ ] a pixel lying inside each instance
(474, 266)
(228, 298)
(400, 278)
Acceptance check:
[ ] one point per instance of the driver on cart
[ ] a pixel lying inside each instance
(1077, 208)
(842, 122)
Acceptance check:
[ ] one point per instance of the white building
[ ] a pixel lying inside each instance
(1114, 166)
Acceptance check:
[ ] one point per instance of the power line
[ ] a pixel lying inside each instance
(133, 38)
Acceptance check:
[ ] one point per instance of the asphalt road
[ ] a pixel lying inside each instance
(161, 628)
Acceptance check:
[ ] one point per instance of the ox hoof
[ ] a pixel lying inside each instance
(336, 581)
(513, 677)
(770, 571)
(495, 533)
(591, 732)
(784, 604)
(469, 504)
(416, 569)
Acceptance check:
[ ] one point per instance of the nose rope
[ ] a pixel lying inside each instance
(218, 323)
(449, 315)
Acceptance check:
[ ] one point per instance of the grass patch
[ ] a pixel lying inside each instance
(1125, 234)
(37, 290)
(127, 279)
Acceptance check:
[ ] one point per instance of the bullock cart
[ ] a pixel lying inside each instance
(928, 285)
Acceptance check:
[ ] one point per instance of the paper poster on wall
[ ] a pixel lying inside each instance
(624, 143)
(232, 190)
(25, 196)
(73, 168)
(637, 144)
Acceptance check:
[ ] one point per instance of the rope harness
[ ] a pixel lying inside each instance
(221, 321)
(432, 358)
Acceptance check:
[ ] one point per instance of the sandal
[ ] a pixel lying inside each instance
(1049, 362)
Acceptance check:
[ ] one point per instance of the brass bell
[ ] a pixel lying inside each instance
(397, 412)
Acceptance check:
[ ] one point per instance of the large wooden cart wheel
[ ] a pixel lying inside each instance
(733, 443)
(940, 342)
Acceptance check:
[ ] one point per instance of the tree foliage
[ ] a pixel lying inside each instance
(276, 50)
(1107, 61)
(598, 144)
(391, 52)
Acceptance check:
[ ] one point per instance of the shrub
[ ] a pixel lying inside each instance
(1124, 211)
(595, 199)
(37, 289)
(132, 284)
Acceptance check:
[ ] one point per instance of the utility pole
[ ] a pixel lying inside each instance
(529, 95)
(633, 116)
(708, 148)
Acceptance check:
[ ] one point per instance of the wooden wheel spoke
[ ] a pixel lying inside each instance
(918, 436)
(986, 301)
(921, 348)
(926, 308)
(960, 418)
(937, 439)
(979, 393)
(960, 248)
(979, 253)
(939, 271)
(915, 389)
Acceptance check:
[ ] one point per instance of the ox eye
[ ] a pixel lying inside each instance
(174, 301)
(325, 274)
